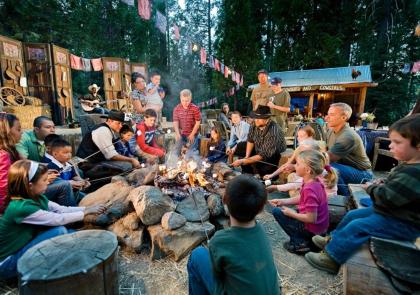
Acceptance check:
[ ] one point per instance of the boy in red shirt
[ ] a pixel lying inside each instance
(145, 137)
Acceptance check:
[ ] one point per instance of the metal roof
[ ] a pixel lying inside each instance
(328, 76)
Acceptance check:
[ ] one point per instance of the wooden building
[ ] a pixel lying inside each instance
(319, 88)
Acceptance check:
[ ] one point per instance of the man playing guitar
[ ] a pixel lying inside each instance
(91, 103)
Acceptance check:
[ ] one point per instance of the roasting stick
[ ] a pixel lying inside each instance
(212, 148)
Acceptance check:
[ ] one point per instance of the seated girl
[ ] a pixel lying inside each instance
(329, 176)
(216, 148)
(30, 217)
(312, 217)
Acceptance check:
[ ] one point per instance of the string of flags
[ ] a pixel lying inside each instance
(210, 102)
(145, 9)
(414, 69)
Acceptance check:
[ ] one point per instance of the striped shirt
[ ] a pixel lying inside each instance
(268, 142)
(186, 118)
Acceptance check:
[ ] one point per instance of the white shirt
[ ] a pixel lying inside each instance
(103, 137)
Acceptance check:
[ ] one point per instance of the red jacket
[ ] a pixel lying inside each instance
(145, 137)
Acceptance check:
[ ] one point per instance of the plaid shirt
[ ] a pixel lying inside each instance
(268, 142)
(186, 118)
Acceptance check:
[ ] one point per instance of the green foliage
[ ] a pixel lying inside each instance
(247, 35)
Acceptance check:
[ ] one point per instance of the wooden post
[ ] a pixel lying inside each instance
(83, 263)
(311, 105)
(362, 99)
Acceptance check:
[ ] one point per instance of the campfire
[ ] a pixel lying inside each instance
(189, 175)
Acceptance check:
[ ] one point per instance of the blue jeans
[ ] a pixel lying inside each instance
(184, 139)
(200, 275)
(61, 192)
(295, 229)
(99, 110)
(348, 174)
(359, 225)
(8, 267)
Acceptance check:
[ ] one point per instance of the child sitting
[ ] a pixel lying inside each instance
(305, 133)
(145, 137)
(61, 151)
(216, 148)
(329, 176)
(48, 142)
(30, 217)
(122, 146)
(396, 201)
(239, 259)
(312, 216)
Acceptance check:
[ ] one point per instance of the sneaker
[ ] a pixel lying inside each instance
(296, 249)
(321, 241)
(323, 262)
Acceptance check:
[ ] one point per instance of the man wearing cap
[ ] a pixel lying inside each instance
(97, 148)
(264, 146)
(93, 101)
(262, 92)
(279, 103)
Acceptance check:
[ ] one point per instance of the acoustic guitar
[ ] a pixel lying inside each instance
(90, 105)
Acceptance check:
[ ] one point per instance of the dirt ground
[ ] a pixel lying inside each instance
(139, 275)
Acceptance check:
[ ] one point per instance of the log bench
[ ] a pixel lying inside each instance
(361, 275)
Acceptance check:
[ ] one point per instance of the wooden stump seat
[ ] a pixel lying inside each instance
(84, 262)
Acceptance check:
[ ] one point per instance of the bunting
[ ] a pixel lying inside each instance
(203, 56)
(128, 2)
(176, 33)
(416, 67)
(226, 72)
(144, 9)
(75, 62)
(160, 22)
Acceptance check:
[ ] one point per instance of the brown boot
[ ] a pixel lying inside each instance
(321, 241)
(323, 262)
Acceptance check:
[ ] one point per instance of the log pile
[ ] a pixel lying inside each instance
(168, 212)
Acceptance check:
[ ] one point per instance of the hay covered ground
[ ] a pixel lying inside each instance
(138, 275)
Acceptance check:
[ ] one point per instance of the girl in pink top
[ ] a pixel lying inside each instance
(311, 217)
(10, 133)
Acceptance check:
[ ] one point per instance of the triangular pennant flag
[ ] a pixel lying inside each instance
(233, 75)
(160, 22)
(216, 64)
(76, 62)
(203, 56)
(242, 81)
(176, 33)
(144, 9)
(226, 72)
(416, 67)
(128, 2)
(97, 64)
(238, 78)
(211, 62)
(222, 68)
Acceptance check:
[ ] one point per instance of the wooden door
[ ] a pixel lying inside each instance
(12, 65)
(62, 83)
(112, 80)
(39, 71)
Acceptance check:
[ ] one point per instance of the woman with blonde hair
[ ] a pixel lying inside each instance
(10, 134)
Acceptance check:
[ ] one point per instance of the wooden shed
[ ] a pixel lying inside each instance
(319, 88)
